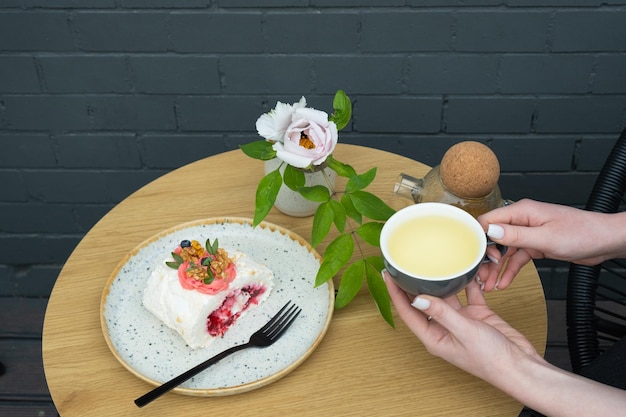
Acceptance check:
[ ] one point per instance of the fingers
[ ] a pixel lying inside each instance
(489, 274)
(414, 319)
(453, 301)
(446, 320)
(520, 213)
(474, 294)
(520, 237)
(498, 276)
(513, 266)
(441, 312)
(416, 313)
(517, 225)
(495, 256)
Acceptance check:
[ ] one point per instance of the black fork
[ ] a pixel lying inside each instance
(263, 337)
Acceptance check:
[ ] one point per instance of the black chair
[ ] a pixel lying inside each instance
(596, 295)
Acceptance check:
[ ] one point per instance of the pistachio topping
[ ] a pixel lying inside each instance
(206, 263)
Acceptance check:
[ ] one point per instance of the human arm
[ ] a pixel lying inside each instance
(534, 230)
(475, 339)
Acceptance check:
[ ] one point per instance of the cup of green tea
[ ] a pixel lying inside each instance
(433, 248)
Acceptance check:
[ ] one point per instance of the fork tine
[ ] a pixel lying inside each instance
(274, 319)
(280, 318)
(286, 321)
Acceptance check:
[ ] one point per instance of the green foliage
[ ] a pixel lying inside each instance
(370, 232)
(339, 253)
(266, 194)
(261, 149)
(323, 220)
(212, 247)
(351, 282)
(370, 206)
(340, 168)
(177, 261)
(377, 287)
(293, 178)
(338, 209)
(343, 110)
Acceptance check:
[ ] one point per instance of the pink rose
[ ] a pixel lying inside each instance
(308, 140)
(272, 125)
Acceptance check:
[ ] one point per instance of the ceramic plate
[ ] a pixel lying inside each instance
(155, 353)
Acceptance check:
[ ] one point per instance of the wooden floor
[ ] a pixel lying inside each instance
(23, 389)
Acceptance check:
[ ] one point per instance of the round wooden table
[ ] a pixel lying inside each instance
(362, 367)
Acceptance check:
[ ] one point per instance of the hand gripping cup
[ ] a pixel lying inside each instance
(433, 248)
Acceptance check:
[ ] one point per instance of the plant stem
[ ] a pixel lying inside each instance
(350, 226)
(328, 182)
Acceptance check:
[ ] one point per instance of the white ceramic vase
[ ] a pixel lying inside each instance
(292, 203)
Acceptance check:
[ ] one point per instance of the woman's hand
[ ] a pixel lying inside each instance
(535, 230)
(469, 337)
(475, 339)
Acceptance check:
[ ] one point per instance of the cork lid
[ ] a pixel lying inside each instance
(470, 169)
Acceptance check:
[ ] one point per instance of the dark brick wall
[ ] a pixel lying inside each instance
(98, 98)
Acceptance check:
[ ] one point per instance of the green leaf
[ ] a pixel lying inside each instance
(343, 110)
(370, 232)
(351, 212)
(378, 290)
(322, 221)
(340, 215)
(317, 193)
(211, 248)
(173, 265)
(358, 182)
(376, 262)
(351, 282)
(266, 195)
(337, 254)
(293, 178)
(371, 206)
(260, 149)
(343, 170)
(177, 258)
(210, 278)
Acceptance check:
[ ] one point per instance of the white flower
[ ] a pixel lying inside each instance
(308, 140)
(273, 125)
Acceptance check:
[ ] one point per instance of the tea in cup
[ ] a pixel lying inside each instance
(433, 248)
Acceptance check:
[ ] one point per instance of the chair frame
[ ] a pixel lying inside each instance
(591, 328)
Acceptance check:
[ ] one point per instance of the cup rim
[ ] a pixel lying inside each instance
(427, 209)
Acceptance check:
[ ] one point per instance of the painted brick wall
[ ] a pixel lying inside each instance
(98, 98)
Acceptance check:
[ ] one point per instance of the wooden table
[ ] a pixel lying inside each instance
(362, 367)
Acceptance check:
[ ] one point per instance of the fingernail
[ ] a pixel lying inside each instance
(496, 286)
(480, 282)
(492, 259)
(495, 231)
(421, 303)
(382, 273)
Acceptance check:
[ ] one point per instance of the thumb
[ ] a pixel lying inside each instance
(514, 236)
(442, 312)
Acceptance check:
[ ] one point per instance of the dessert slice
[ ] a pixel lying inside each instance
(202, 291)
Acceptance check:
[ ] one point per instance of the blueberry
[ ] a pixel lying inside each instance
(185, 244)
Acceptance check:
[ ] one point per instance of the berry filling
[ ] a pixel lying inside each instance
(233, 306)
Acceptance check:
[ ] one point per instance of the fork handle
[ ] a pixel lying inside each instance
(176, 381)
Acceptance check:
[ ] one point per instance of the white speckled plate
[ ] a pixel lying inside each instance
(155, 353)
